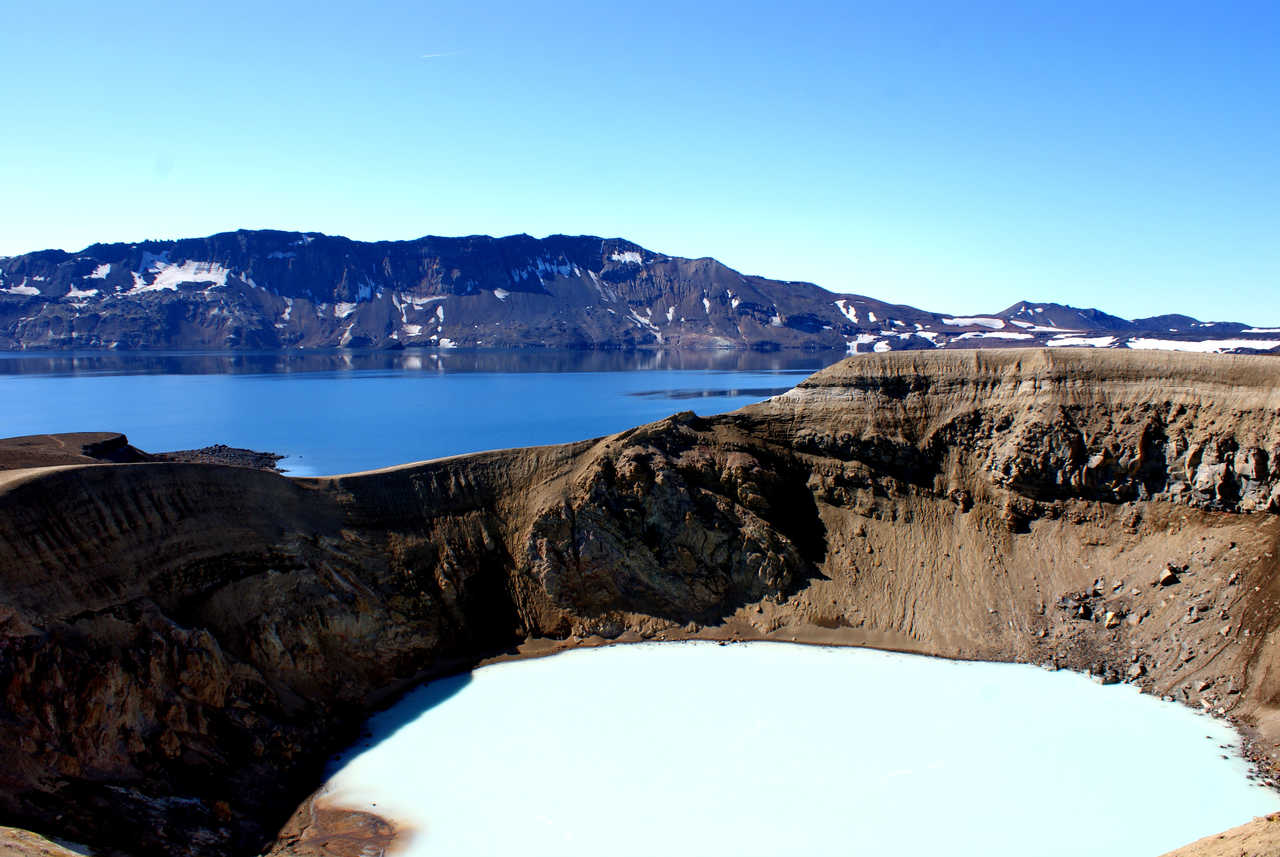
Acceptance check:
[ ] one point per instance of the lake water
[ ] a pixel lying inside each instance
(767, 748)
(337, 412)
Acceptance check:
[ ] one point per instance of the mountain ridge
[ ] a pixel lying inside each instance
(274, 289)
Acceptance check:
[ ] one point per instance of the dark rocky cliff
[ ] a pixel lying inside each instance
(272, 290)
(181, 644)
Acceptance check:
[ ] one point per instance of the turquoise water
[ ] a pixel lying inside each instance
(768, 748)
(337, 412)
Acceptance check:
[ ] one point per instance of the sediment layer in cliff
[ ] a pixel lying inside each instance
(182, 643)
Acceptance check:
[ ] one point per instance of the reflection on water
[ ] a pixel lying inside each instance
(411, 360)
(749, 392)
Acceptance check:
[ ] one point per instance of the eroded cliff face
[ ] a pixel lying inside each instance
(181, 645)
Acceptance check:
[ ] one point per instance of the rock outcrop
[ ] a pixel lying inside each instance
(182, 644)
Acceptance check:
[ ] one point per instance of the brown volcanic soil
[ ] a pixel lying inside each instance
(54, 450)
(181, 644)
(1258, 838)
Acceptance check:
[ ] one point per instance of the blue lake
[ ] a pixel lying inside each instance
(338, 412)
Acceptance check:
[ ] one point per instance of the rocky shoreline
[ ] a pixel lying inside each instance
(220, 453)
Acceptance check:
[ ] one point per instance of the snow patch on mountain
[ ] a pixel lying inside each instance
(166, 276)
(545, 269)
(994, 334)
(628, 257)
(1040, 328)
(1081, 342)
(419, 303)
(975, 321)
(847, 310)
(1208, 346)
(606, 293)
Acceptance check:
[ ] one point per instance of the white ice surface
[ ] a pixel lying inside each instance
(767, 748)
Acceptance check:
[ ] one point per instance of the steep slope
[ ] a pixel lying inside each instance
(273, 290)
(276, 289)
(182, 644)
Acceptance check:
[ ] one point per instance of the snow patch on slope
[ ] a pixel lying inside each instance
(166, 276)
(1081, 341)
(989, 334)
(543, 269)
(1209, 346)
(972, 321)
(847, 310)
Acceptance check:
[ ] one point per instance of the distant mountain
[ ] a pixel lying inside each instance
(1029, 315)
(270, 290)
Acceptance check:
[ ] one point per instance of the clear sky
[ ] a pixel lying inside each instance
(957, 156)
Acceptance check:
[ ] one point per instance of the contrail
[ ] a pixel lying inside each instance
(445, 54)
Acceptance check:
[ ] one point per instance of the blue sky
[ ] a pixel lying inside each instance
(954, 156)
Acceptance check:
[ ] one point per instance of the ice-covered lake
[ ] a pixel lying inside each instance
(771, 748)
